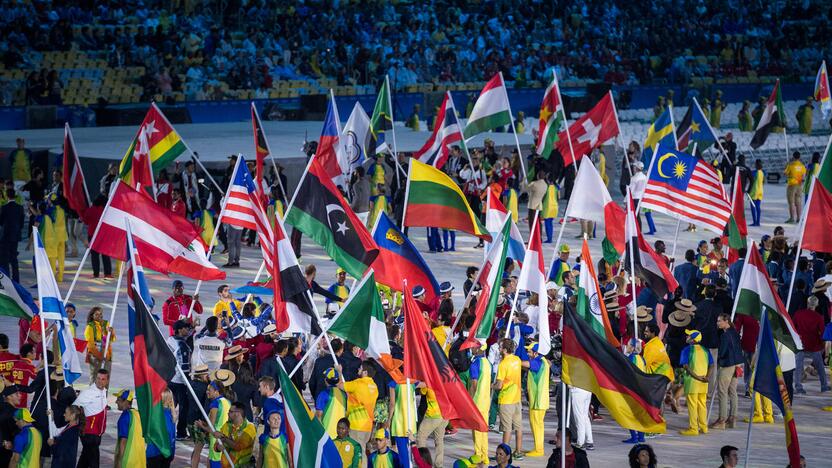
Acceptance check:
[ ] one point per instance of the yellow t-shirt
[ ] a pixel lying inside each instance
(509, 373)
(224, 308)
(795, 171)
(441, 333)
(432, 411)
(362, 394)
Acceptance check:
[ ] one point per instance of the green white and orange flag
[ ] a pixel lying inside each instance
(737, 229)
(590, 303)
(492, 109)
(165, 144)
(552, 118)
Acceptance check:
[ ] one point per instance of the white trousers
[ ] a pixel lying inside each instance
(580, 414)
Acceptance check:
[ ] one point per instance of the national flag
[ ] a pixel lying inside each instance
(633, 398)
(141, 175)
(434, 200)
(261, 148)
(756, 292)
(533, 279)
(327, 152)
(75, 187)
(822, 91)
(769, 383)
(309, 443)
(552, 118)
(319, 210)
(817, 235)
(15, 300)
(52, 308)
(154, 364)
(135, 273)
(445, 133)
(649, 265)
(695, 129)
(774, 116)
(594, 203)
(492, 109)
(381, 121)
(590, 303)
(399, 259)
(688, 188)
(491, 275)
(169, 243)
(660, 132)
(495, 217)
(355, 140)
(737, 228)
(595, 128)
(165, 144)
(425, 361)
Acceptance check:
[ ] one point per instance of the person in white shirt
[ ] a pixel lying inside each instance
(93, 400)
(208, 347)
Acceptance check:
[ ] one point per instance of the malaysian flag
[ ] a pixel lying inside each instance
(445, 133)
(688, 188)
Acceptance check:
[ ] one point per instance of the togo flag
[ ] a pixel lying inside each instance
(15, 300)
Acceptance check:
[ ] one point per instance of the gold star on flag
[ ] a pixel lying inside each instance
(694, 127)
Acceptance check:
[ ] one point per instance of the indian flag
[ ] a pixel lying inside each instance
(756, 293)
(590, 303)
(533, 279)
(551, 118)
(15, 300)
(165, 144)
(491, 110)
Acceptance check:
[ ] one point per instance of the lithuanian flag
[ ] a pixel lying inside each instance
(165, 144)
(434, 200)
(590, 362)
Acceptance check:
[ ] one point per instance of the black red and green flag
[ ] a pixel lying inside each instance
(773, 118)
(737, 230)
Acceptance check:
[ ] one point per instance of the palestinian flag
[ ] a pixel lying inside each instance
(737, 229)
(319, 210)
(817, 226)
(552, 118)
(15, 300)
(491, 110)
(381, 121)
(75, 187)
(491, 275)
(434, 200)
(649, 266)
(774, 116)
(590, 303)
(633, 398)
(309, 444)
(165, 144)
(755, 292)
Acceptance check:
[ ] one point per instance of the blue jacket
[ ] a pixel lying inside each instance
(686, 275)
(734, 272)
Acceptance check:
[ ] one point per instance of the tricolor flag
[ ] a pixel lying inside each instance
(165, 145)
(774, 116)
(552, 118)
(399, 259)
(737, 229)
(495, 216)
(590, 304)
(649, 266)
(327, 153)
(15, 300)
(817, 214)
(75, 187)
(261, 147)
(822, 91)
(533, 279)
(52, 308)
(446, 132)
(492, 109)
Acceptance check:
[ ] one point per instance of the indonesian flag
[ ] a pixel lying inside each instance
(533, 279)
(590, 303)
(75, 187)
(495, 217)
(594, 203)
(649, 266)
(822, 91)
(435, 150)
(595, 128)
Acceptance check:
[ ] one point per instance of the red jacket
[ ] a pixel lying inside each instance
(176, 306)
(809, 325)
(749, 329)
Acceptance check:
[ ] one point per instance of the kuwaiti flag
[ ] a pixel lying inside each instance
(649, 266)
(756, 292)
(327, 152)
(446, 132)
(398, 259)
(491, 110)
(590, 304)
(822, 91)
(594, 203)
(52, 308)
(495, 216)
(533, 279)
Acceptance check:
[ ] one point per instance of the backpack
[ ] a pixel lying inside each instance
(460, 359)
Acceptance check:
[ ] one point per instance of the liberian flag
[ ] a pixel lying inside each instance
(594, 203)
(649, 266)
(755, 292)
(327, 153)
(75, 187)
(822, 91)
(491, 110)
(533, 279)
(491, 275)
(445, 133)
(590, 303)
(552, 118)
(495, 216)
(736, 228)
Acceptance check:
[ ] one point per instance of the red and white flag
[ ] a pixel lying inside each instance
(533, 279)
(243, 207)
(446, 132)
(141, 177)
(649, 266)
(595, 128)
(75, 187)
(594, 203)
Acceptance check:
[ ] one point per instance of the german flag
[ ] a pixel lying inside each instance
(633, 398)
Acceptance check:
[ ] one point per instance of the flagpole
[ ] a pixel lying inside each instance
(465, 303)
(407, 194)
(108, 340)
(675, 240)
(45, 349)
(633, 268)
(393, 128)
(271, 156)
(514, 131)
(753, 374)
(565, 121)
(708, 123)
(618, 136)
(563, 419)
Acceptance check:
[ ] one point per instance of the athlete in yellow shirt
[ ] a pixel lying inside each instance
(508, 398)
(362, 394)
(226, 304)
(795, 172)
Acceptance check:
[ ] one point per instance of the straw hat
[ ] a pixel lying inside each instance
(685, 305)
(234, 352)
(679, 318)
(57, 375)
(224, 376)
(643, 313)
(821, 285)
(199, 369)
(270, 329)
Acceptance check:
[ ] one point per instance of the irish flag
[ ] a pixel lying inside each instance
(817, 235)
(551, 118)
(590, 303)
(491, 274)
(491, 110)
(755, 293)
(736, 228)
(533, 279)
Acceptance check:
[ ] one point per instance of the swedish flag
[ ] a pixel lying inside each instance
(660, 132)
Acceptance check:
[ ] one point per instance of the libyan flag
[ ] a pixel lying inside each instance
(817, 231)
(154, 365)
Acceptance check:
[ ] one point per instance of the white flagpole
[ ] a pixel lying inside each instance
(565, 122)
(108, 340)
(633, 266)
(43, 343)
(271, 156)
(564, 421)
(514, 131)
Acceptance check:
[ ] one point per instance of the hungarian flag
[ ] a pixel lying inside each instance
(381, 121)
(491, 110)
(552, 118)
(445, 133)
(633, 398)
(495, 216)
(756, 292)
(822, 91)
(261, 148)
(595, 128)
(774, 116)
(75, 187)
(15, 300)
(141, 176)
(533, 279)
(399, 259)
(165, 145)
(817, 226)
(327, 152)
(319, 210)
(594, 203)
(737, 229)
(590, 304)
(649, 266)
(491, 275)
(425, 361)
(309, 444)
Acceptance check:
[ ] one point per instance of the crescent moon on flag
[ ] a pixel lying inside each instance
(659, 164)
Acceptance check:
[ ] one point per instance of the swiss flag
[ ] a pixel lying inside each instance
(595, 128)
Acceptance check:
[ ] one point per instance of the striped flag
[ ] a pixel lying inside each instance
(244, 208)
(688, 188)
(445, 133)
(822, 91)
(15, 300)
(141, 177)
(649, 266)
(327, 152)
(165, 145)
(491, 110)
(75, 187)
(495, 216)
(590, 303)
(533, 279)
(552, 118)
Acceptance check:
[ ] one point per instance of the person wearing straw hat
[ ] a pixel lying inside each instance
(27, 443)
(537, 389)
(130, 448)
(697, 362)
(675, 341)
(199, 382)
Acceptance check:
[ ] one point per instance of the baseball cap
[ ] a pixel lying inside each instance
(124, 394)
(331, 376)
(695, 335)
(564, 248)
(381, 434)
(533, 346)
(340, 270)
(23, 414)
